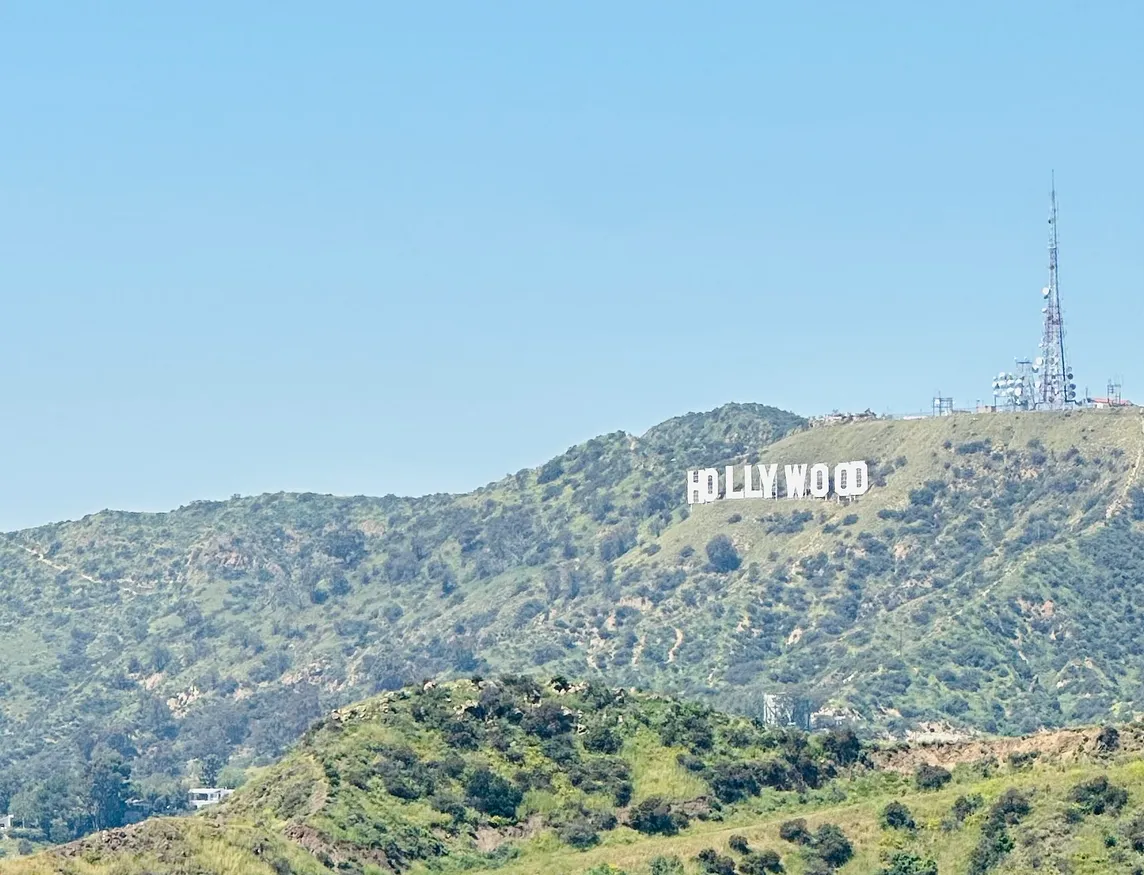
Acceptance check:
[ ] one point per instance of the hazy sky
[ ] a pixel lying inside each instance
(394, 247)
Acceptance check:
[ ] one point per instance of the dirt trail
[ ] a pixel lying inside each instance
(675, 647)
(1122, 499)
(132, 586)
(1061, 745)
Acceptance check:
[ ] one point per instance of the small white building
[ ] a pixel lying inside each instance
(5, 822)
(200, 796)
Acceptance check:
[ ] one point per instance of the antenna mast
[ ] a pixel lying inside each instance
(1055, 388)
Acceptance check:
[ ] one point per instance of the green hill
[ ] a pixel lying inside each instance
(988, 580)
(517, 776)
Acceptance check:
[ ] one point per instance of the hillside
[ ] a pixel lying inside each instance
(989, 580)
(517, 776)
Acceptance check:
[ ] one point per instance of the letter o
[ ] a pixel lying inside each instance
(819, 481)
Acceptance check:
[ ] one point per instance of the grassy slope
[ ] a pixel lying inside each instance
(995, 605)
(339, 817)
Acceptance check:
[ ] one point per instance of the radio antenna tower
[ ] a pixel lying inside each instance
(1055, 388)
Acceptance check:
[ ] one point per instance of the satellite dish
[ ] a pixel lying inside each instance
(1038, 361)
(1045, 292)
(1019, 391)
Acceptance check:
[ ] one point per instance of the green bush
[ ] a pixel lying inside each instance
(601, 739)
(722, 555)
(831, 845)
(794, 831)
(1099, 796)
(492, 794)
(654, 816)
(1134, 832)
(995, 842)
(905, 863)
(963, 806)
(666, 866)
(897, 816)
(738, 844)
(928, 777)
(710, 861)
(761, 863)
(1109, 739)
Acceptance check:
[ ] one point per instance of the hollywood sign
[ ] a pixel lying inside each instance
(847, 480)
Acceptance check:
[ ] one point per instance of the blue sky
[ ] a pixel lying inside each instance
(380, 247)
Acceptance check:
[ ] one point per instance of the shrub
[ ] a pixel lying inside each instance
(710, 861)
(738, 844)
(666, 866)
(963, 806)
(995, 840)
(1109, 739)
(794, 831)
(831, 845)
(897, 816)
(904, 863)
(761, 863)
(1022, 759)
(492, 794)
(654, 816)
(929, 777)
(601, 739)
(548, 720)
(1098, 796)
(843, 746)
(579, 832)
(550, 472)
(722, 555)
(1134, 832)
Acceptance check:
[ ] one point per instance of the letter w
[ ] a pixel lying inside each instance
(795, 481)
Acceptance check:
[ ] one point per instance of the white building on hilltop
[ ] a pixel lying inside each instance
(200, 796)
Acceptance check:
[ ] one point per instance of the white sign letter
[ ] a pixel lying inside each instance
(843, 478)
(749, 490)
(851, 479)
(702, 486)
(795, 481)
(769, 474)
(730, 492)
(819, 481)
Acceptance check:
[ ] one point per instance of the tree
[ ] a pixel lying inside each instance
(107, 777)
(843, 745)
(722, 555)
(209, 767)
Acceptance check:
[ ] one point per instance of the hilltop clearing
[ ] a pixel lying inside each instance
(988, 581)
(517, 776)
